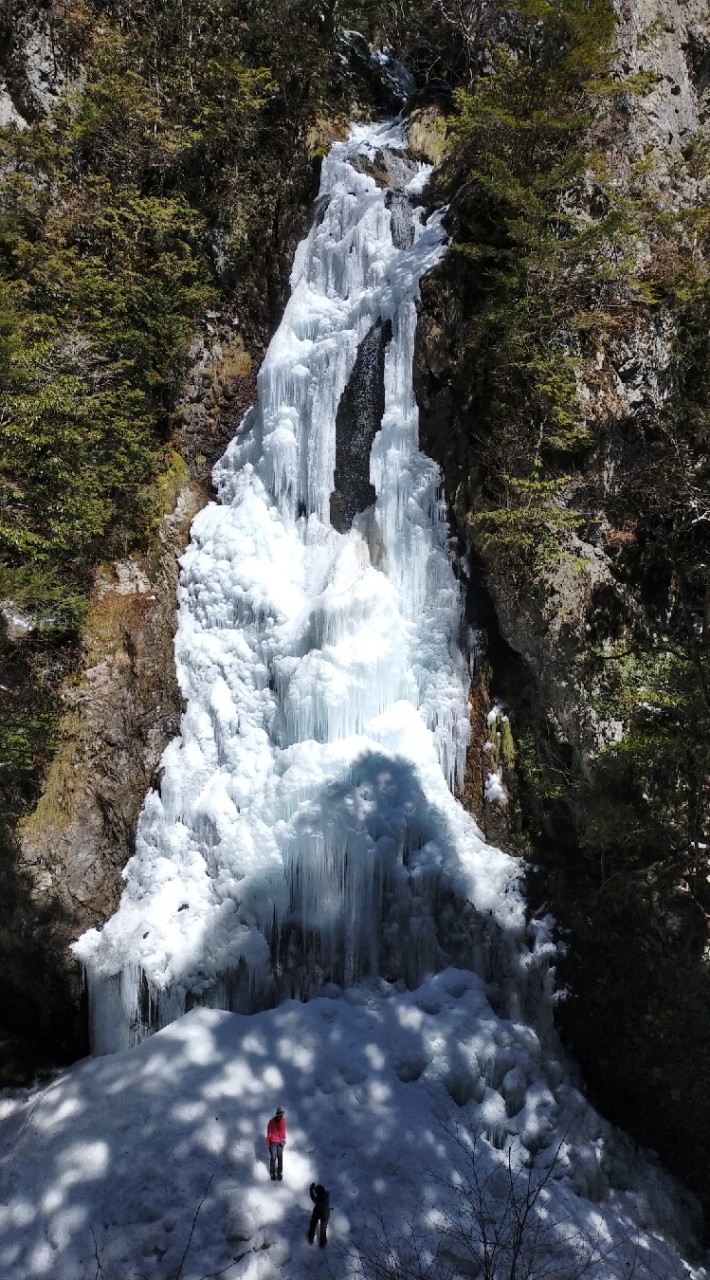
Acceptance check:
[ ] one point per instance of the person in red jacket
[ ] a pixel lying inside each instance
(276, 1141)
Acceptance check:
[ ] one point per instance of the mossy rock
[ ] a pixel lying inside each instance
(427, 134)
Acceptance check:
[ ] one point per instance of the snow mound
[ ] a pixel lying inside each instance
(423, 1106)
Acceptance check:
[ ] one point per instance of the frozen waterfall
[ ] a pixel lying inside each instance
(305, 832)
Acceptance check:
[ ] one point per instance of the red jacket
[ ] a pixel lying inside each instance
(276, 1130)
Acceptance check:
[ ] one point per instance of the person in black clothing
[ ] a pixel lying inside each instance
(321, 1213)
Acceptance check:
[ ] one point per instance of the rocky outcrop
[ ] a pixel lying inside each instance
(668, 41)
(119, 711)
(121, 705)
(358, 419)
(34, 70)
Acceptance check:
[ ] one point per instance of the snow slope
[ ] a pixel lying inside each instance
(104, 1170)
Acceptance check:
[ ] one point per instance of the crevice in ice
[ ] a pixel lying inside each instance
(358, 419)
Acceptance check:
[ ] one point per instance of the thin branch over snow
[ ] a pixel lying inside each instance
(192, 1228)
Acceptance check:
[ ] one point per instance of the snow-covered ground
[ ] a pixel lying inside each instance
(388, 1094)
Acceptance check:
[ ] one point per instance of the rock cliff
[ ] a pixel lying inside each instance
(635, 929)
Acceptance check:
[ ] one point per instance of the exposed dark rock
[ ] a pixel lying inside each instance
(400, 207)
(33, 67)
(359, 417)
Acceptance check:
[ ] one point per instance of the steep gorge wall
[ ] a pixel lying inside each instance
(119, 707)
(637, 935)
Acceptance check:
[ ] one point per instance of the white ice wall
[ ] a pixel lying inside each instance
(305, 822)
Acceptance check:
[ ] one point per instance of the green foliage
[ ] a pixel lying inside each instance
(661, 686)
(8, 327)
(543, 785)
(550, 265)
(122, 217)
(107, 282)
(547, 272)
(529, 529)
(54, 602)
(26, 741)
(540, 279)
(654, 779)
(109, 298)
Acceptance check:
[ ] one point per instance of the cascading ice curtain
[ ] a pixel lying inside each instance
(305, 831)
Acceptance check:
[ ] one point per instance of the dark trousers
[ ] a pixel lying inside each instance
(276, 1158)
(322, 1216)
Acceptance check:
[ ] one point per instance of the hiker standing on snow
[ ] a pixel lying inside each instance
(276, 1141)
(321, 1213)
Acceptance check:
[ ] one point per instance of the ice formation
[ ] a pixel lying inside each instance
(305, 831)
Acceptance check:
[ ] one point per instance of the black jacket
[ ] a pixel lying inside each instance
(320, 1198)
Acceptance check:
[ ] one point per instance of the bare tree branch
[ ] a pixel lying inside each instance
(192, 1228)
